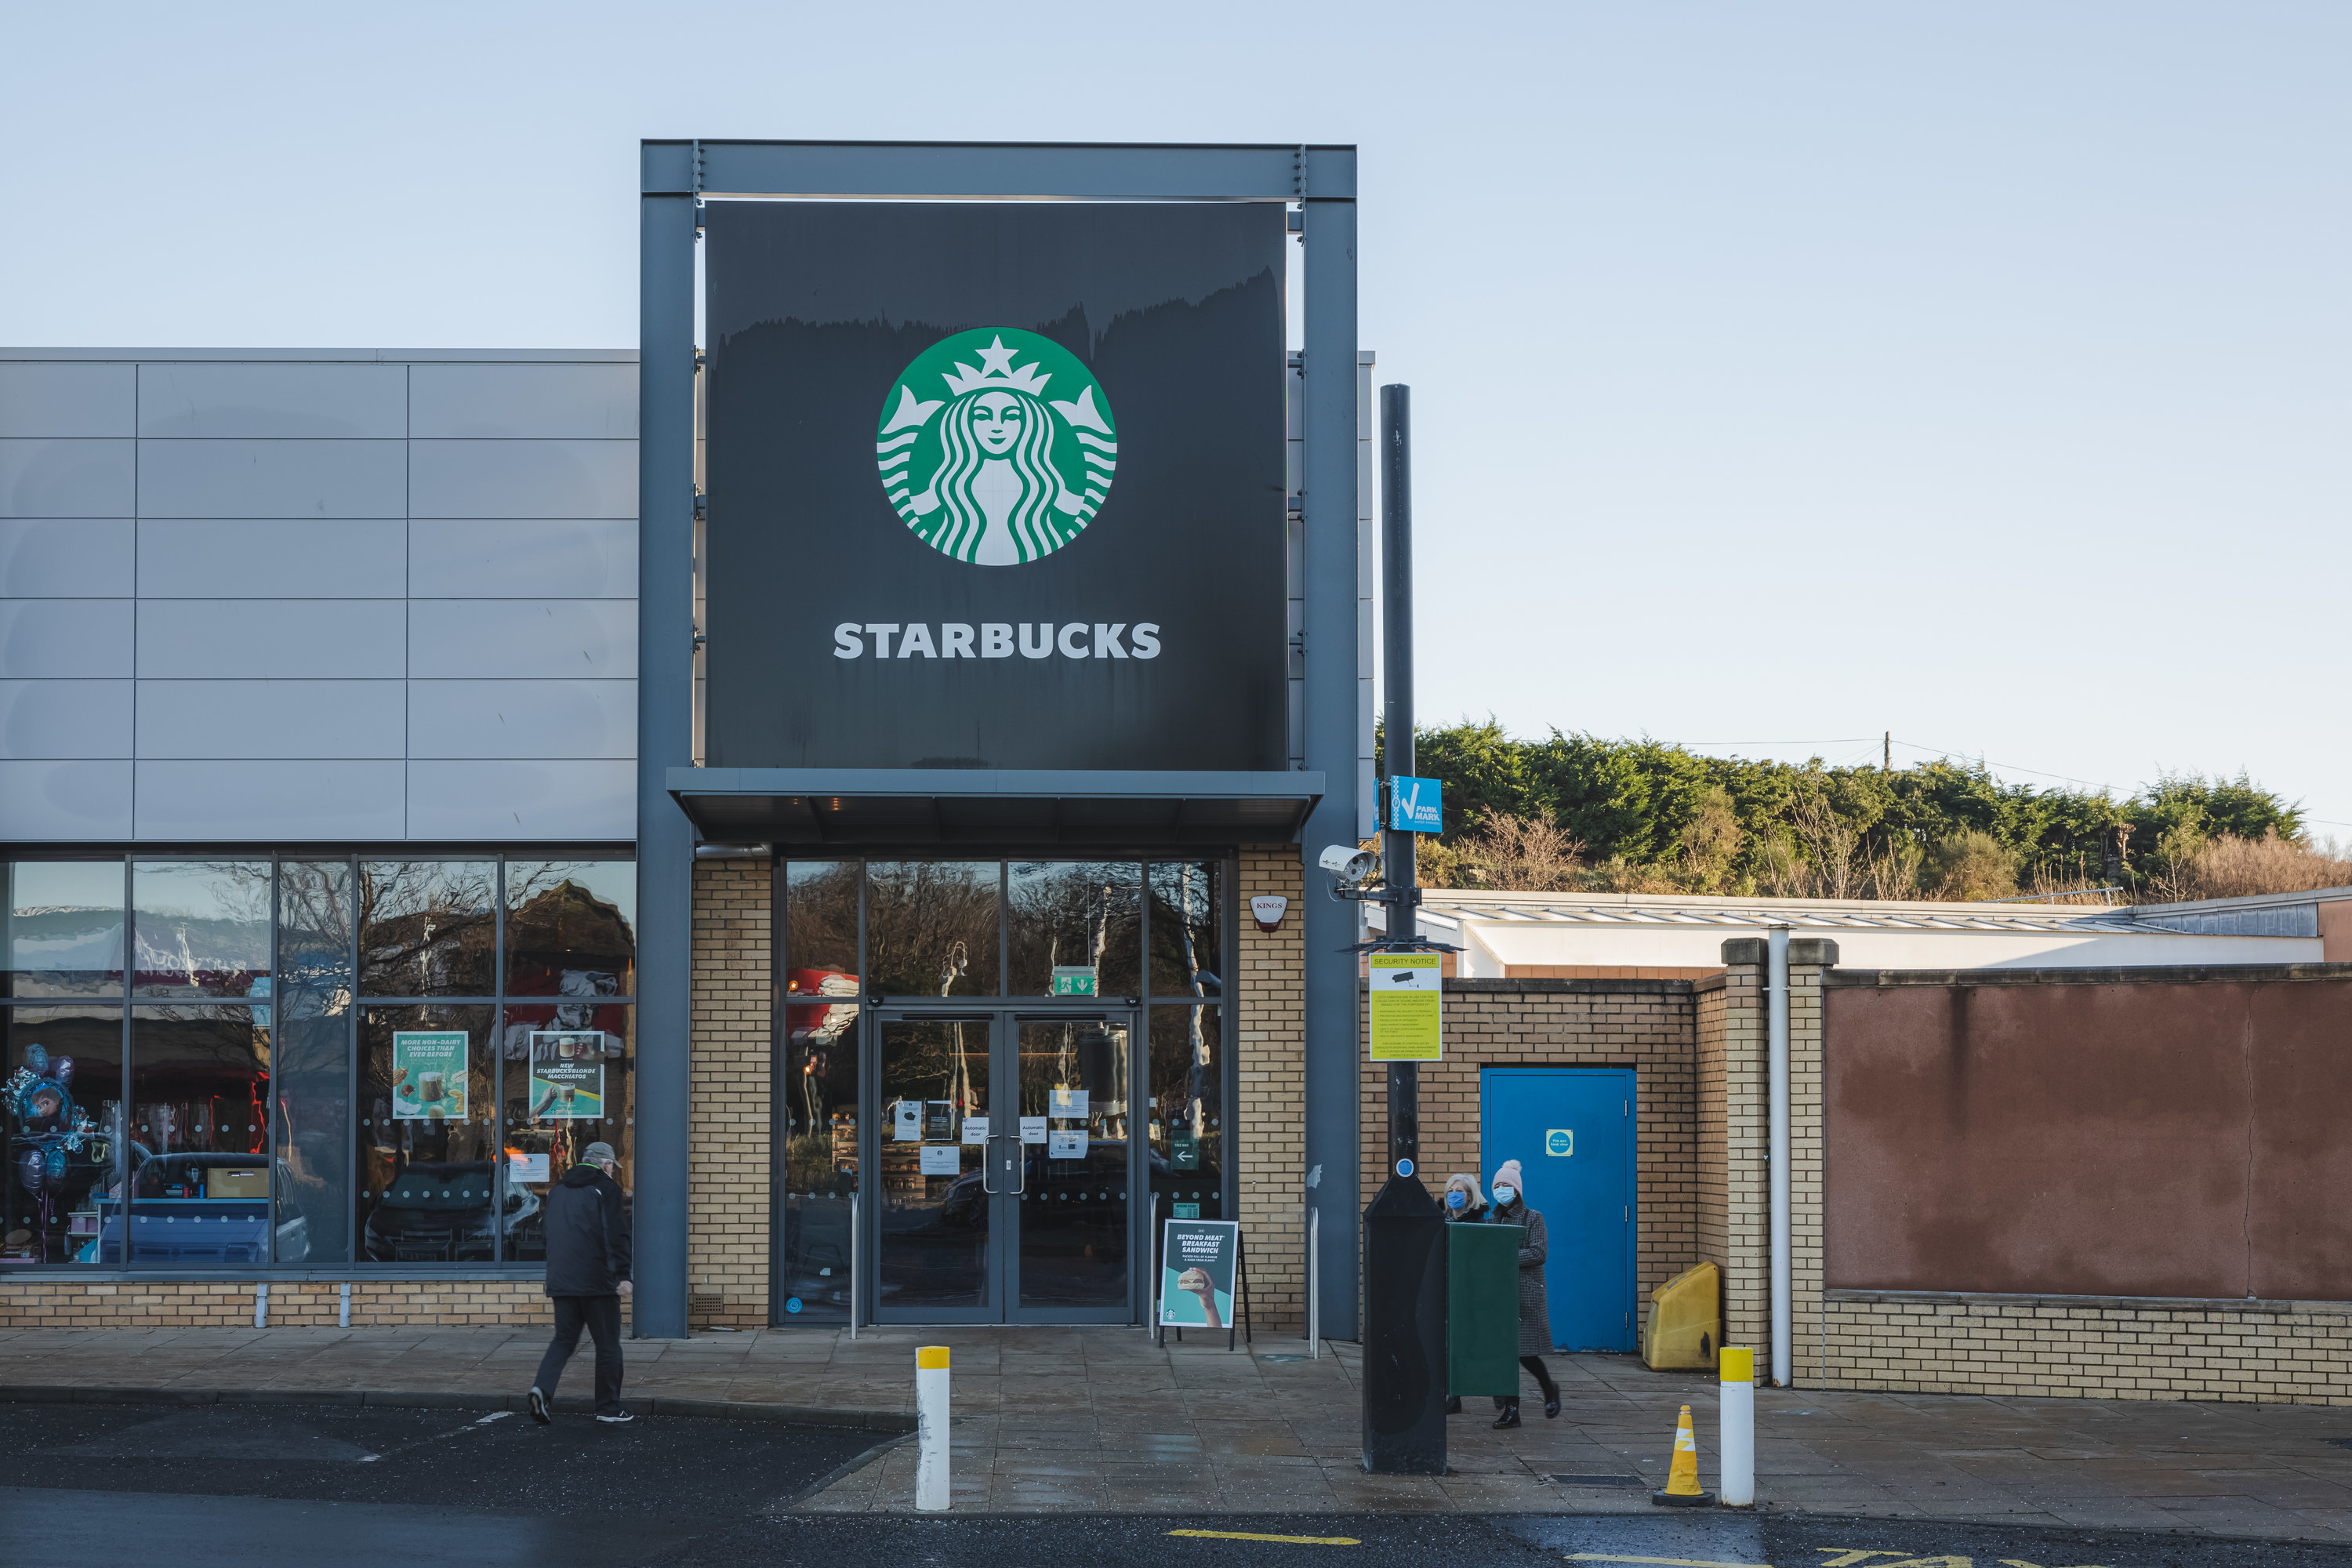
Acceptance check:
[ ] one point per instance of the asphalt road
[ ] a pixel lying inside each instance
(265, 1485)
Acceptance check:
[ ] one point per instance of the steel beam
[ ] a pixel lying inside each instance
(665, 740)
(1016, 170)
(1330, 927)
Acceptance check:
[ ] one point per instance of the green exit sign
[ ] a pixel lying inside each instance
(1070, 981)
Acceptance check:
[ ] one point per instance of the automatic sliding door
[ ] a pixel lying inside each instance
(933, 1223)
(1076, 1205)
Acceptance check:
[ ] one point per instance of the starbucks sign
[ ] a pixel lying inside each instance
(996, 447)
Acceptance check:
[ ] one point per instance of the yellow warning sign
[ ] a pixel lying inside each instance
(1406, 1003)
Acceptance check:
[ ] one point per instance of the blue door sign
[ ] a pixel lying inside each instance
(1572, 1131)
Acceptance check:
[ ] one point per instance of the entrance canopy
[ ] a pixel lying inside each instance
(853, 806)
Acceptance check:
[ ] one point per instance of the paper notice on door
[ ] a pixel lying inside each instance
(1067, 1102)
(906, 1121)
(975, 1128)
(1065, 1146)
(1032, 1130)
(942, 1159)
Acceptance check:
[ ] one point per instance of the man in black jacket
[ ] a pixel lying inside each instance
(588, 1247)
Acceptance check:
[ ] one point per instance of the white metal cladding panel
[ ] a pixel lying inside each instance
(56, 476)
(475, 558)
(61, 721)
(66, 558)
(271, 800)
(63, 398)
(70, 639)
(484, 718)
(323, 541)
(513, 799)
(543, 639)
(65, 800)
(300, 401)
(272, 479)
(272, 558)
(257, 639)
(510, 401)
(282, 718)
(522, 479)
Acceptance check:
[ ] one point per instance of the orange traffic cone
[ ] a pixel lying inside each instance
(1682, 1481)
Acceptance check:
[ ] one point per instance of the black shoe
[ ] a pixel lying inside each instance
(538, 1408)
(1454, 1404)
(1551, 1405)
(1509, 1417)
(617, 1419)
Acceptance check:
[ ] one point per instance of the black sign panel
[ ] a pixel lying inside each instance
(994, 485)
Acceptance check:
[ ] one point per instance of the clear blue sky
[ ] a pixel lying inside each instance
(1783, 374)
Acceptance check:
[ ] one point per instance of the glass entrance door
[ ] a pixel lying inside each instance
(1007, 1177)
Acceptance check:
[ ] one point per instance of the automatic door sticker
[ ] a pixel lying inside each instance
(996, 447)
(1032, 1130)
(975, 1128)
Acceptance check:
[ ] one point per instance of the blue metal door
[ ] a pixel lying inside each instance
(1572, 1131)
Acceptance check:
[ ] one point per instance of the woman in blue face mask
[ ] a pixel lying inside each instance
(1535, 1314)
(1465, 1204)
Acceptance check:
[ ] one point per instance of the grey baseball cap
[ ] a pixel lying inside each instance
(596, 1154)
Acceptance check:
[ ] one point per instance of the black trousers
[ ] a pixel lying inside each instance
(600, 1316)
(1534, 1364)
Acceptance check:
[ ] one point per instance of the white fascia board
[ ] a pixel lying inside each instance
(1686, 947)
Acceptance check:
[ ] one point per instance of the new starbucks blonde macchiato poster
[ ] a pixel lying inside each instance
(428, 1075)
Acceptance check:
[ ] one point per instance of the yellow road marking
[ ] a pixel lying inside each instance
(1669, 1562)
(1292, 1539)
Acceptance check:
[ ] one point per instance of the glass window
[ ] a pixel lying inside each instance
(313, 1082)
(63, 1073)
(1187, 925)
(821, 928)
(1075, 928)
(198, 1144)
(64, 935)
(201, 928)
(820, 1110)
(931, 927)
(425, 1135)
(566, 1068)
(1188, 1111)
(572, 927)
(427, 928)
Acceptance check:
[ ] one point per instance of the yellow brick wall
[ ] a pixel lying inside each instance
(1645, 1025)
(1711, 1219)
(1270, 1017)
(57, 1303)
(727, 1198)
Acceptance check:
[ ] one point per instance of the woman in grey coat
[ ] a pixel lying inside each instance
(1510, 1207)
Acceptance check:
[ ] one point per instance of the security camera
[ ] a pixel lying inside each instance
(1348, 865)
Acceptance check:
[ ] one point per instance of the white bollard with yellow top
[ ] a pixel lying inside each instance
(1736, 1411)
(932, 1428)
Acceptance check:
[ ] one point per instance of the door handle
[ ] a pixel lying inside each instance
(987, 1164)
(1019, 1163)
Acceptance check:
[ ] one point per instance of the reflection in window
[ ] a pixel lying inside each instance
(200, 928)
(572, 927)
(932, 928)
(198, 1143)
(1187, 919)
(64, 932)
(820, 1109)
(821, 928)
(427, 1142)
(1188, 1111)
(313, 1078)
(567, 1073)
(62, 1068)
(427, 928)
(1075, 928)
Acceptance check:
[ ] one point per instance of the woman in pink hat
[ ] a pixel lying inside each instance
(1510, 1207)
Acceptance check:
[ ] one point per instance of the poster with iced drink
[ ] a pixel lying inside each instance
(428, 1075)
(567, 1075)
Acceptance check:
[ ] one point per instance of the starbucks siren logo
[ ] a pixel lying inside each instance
(994, 472)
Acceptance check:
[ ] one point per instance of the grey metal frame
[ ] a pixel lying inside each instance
(675, 176)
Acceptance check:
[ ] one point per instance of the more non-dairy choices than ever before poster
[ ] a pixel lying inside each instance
(428, 1075)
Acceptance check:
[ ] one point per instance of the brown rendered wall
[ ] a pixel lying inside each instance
(1645, 1025)
(2336, 931)
(2058, 1132)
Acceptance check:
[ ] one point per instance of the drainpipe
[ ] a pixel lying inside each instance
(1776, 973)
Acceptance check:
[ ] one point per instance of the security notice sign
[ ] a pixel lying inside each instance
(1197, 1261)
(1405, 1004)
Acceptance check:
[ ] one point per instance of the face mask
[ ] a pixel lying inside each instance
(1457, 1199)
(1505, 1194)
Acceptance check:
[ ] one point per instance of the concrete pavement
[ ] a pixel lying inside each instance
(1101, 1419)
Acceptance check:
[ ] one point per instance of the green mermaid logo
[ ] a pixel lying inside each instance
(995, 472)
